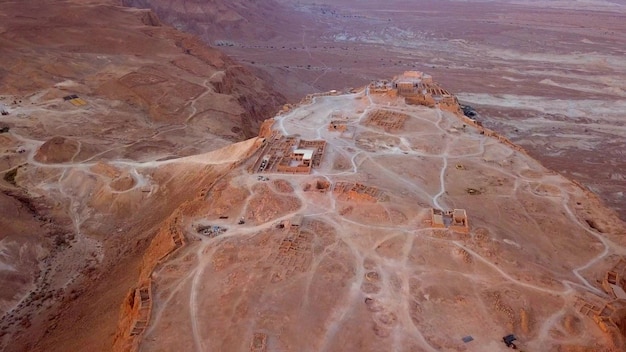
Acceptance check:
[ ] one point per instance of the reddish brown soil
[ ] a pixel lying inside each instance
(520, 63)
(143, 187)
(57, 150)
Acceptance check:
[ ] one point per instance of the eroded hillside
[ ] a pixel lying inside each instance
(143, 212)
(94, 97)
(547, 74)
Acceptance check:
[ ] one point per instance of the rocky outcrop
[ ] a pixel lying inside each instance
(149, 18)
(57, 150)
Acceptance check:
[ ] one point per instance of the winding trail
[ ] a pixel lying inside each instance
(209, 89)
(442, 183)
(507, 276)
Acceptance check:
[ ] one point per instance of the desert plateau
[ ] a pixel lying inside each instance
(312, 176)
(550, 75)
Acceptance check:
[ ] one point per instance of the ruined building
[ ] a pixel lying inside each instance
(419, 89)
(288, 155)
(455, 220)
(337, 126)
(610, 315)
(348, 191)
(614, 282)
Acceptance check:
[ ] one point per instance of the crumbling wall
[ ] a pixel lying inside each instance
(610, 317)
(136, 308)
(450, 103)
(387, 119)
(455, 220)
(420, 99)
(319, 185)
(299, 169)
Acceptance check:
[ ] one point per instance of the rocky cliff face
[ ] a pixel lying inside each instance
(253, 96)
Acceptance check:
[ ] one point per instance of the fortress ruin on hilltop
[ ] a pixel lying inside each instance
(417, 88)
(609, 314)
(289, 155)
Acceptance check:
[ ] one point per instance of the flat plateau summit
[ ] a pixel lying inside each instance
(358, 222)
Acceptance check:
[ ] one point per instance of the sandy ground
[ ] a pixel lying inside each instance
(368, 276)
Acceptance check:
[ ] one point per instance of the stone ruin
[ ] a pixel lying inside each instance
(387, 119)
(141, 303)
(381, 87)
(317, 185)
(293, 223)
(259, 342)
(337, 126)
(610, 316)
(614, 282)
(293, 255)
(455, 220)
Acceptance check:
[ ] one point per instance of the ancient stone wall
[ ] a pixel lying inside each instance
(387, 119)
(455, 220)
(136, 309)
(450, 103)
(357, 192)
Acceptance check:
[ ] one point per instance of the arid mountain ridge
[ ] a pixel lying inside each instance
(547, 74)
(98, 195)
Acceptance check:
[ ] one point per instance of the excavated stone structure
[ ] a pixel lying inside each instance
(417, 88)
(289, 155)
(455, 220)
(357, 192)
(610, 315)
